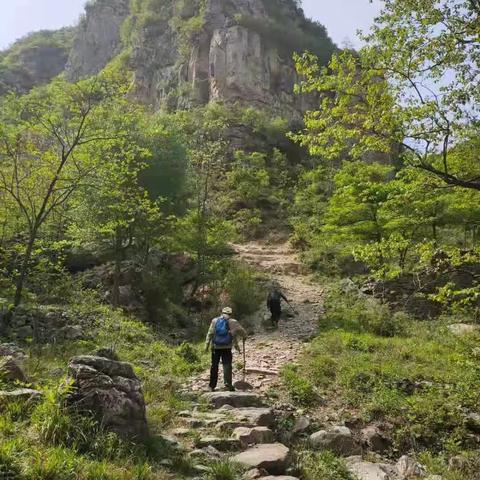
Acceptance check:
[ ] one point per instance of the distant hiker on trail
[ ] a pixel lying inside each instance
(274, 302)
(223, 334)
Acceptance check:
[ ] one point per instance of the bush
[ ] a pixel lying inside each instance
(223, 470)
(323, 466)
(348, 309)
(300, 388)
(242, 288)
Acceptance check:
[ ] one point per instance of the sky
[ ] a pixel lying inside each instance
(19, 17)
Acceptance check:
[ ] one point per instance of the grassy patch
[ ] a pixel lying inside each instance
(49, 441)
(323, 466)
(423, 382)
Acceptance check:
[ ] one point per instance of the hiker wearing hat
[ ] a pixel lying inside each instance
(274, 302)
(223, 335)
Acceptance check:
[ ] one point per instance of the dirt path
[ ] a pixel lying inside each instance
(266, 350)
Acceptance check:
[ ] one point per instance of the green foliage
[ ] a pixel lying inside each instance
(223, 470)
(287, 34)
(242, 288)
(381, 218)
(421, 381)
(413, 84)
(301, 390)
(346, 308)
(323, 466)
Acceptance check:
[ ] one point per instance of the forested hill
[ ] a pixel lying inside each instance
(181, 53)
(35, 60)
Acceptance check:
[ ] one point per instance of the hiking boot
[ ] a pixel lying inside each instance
(212, 389)
(229, 388)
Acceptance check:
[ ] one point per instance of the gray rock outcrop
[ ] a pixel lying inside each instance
(408, 468)
(363, 470)
(336, 439)
(47, 324)
(274, 458)
(229, 57)
(253, 436)
(34, 60)
(11, 370)
(374, 439)
(111, 391)
(98, 38)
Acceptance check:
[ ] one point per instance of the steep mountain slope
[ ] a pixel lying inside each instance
(35, 60)
(185, 53)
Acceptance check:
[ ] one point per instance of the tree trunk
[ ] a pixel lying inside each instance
(24, 269)
(117, 271)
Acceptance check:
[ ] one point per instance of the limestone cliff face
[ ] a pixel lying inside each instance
(98, 38)
(224, 60)
(227, 62)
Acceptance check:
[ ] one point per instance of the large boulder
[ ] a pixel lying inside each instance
(339, 440)
(408, 468)
(112, 392)
(363, 470)
(461, 329)
(272, 457)
(10, 370)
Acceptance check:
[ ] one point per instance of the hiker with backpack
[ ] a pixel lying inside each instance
(274, 303)
(223, 335)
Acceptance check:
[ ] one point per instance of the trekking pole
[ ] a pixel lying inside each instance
(244, 362)
(293, 310)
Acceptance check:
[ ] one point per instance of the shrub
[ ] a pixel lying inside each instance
(348, 309)
(223, 470)
(243, 290)
(300, 388)
(323, 466)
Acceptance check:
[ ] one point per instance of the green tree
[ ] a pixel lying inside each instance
(414, 85)
(43, 138)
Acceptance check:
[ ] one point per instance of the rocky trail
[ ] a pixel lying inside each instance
(246, 427)
(241, 424)
(267, 350)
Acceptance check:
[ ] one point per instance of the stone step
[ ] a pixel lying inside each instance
(272, 457)
(262, 417)
(253, 436)
(234, 399)
(280, 477)
(221, 444)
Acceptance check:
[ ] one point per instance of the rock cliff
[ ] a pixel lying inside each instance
(181, 53)
(190, 53)
(97, 38)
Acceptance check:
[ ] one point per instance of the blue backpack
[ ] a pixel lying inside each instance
(222, 336)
